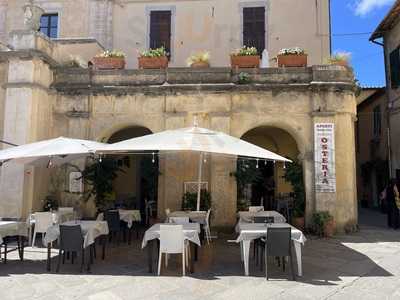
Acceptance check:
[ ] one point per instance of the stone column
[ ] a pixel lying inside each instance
(27, 119)
(3, 22)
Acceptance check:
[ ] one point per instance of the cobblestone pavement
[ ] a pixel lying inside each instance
(364, 265)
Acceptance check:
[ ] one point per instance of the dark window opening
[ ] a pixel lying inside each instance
(49, 25)
(377, 121)
(160, 30)
(395, 68)
(254, 28)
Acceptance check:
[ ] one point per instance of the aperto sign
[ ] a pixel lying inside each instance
(324, 157)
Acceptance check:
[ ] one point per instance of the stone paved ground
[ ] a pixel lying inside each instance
(365, 265)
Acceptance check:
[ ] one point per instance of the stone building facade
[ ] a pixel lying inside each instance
(278, 109)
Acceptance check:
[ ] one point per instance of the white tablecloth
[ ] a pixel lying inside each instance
(191, 232)
(246, 216)
(128, 216)
(90, 230)
(12, 228)
(194, 216)
(252, 231)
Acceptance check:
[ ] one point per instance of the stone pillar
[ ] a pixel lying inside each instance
(3, 22)
(27, 119)
(101, 21)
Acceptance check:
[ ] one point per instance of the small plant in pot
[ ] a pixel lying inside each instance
(324, 224)
(109, 60)
(153, 59)
(339, 59)
(292, 57)
(245, 57)
(199, 60)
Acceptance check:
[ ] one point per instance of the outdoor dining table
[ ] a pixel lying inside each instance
(248, 216)
(194, 216)
(191, 233)
(91, 230)
(251, 231)
(14, 229)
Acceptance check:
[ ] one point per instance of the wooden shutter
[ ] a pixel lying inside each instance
(160, 29)
(395, 68)
(254, 27)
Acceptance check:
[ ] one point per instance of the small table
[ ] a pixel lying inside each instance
(252, 231)
(13, 229)
(247, 216)
(191, 232)
(127, 215)
(194, 216)
(90, 230)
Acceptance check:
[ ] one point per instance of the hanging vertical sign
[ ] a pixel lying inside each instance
(325, 173)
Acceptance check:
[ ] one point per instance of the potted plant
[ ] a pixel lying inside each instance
(324, 224)
(245, 57)
(109, 60)
(153, 59)
(49, 203)
(339, 59)
(292, 57)
(294, 175)
(199, 60)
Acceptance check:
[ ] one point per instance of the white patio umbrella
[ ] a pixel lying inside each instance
(194, 139)
(54, 151)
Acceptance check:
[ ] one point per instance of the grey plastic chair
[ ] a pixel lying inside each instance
(264, 220)
(71, 241)
(278, 244)
(114, 223)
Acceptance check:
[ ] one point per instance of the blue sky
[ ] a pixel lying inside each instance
(354, 17)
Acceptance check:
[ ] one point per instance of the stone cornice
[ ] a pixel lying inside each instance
(27, 55)
(29, 85)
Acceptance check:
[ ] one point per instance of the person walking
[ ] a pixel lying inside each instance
(393, 201)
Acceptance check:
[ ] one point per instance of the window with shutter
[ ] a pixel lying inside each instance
(377, 121)
(254, 28)
(160, 30)
(49, 25)
(395, 68)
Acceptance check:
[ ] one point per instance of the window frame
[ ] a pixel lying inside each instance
(394, 67)
(252, 23)
(377, 121)
(170, 8)
(265, 4)
(50, 14)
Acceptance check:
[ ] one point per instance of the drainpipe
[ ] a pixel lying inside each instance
(389, 152)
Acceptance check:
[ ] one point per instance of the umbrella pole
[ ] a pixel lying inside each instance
(199, 180)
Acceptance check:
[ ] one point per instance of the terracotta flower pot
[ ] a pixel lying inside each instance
(292, 60)
(298, 222)
(153, 62)
(200, 65)
(245, 61)
(343, 63)
(329, 228)
(108, 63)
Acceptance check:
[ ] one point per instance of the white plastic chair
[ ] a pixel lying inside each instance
(255, 209)
(206, 227)
(171, 242)
(167, 212)
(66, 209)
(179, 220)
(43, 220)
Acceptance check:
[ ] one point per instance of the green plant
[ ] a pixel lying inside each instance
(294, 175)
(244, 78)
(49, 203)
(189, 200)
(158, 52)
(246, 51)
(339, 57)
(292, 51)
(100, 175)
(319, 220)
(112, 53)
(199, 57)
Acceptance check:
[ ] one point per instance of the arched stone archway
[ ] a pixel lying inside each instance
(137, 182)
(269, 184)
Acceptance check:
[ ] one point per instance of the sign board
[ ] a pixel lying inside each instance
(324, 157)
(75, 182)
